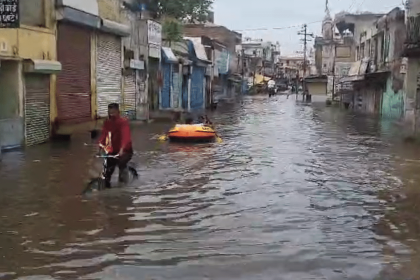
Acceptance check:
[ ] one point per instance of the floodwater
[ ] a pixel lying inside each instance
(293, 192)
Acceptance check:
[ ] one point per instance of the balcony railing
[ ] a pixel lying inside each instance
(412, 41)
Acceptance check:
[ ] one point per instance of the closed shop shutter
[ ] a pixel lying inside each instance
(108, 72)
(166, 87)
(73, 82)
(176, 86)
(37, 108)
(208, 92)
(130, 95)
(184, 92)
(197, 88)
(153, 85)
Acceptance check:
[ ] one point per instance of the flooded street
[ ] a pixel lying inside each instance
(293, 192)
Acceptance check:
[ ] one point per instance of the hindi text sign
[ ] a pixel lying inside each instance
(9, 14)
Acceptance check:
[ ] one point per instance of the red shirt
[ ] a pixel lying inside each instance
(120, 136)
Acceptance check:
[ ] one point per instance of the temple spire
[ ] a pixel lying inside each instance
(327, 10)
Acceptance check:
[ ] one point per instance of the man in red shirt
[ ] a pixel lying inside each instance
(116, 140)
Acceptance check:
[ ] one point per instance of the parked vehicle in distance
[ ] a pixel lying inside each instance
(282, 86)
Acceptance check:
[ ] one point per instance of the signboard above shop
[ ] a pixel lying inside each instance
(136, 64)
(154, 51)
(9, 14)
(154, 33)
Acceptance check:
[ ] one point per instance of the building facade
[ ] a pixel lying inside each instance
(412, 52)
(292, 66)
(230, 40)
(334, 52)
(198, 69)
(377, 79)
(133, 68)
(77, 23)
(29, 63)
(72, 58)
(109, 55)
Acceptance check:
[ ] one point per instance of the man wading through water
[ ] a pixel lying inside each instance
(116, 140)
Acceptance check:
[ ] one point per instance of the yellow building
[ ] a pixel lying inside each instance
(28, 66)
(61, 68)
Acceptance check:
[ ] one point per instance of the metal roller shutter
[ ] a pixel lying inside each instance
(130, 95)
(108, 72)
(73, 82)
(37, 108)
(166, 87)
(197, 88)
(185, 92)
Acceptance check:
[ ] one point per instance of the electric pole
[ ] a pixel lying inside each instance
(306, 38)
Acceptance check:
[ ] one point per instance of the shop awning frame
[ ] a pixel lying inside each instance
(42, 66)
(169, 56)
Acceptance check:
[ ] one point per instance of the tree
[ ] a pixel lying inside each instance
(172, 30)
(183, 10)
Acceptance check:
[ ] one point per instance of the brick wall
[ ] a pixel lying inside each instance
(111, 10)
(219, 33)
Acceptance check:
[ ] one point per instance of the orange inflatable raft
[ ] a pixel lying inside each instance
(192, 132)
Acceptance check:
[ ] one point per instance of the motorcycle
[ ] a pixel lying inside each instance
(272, 91)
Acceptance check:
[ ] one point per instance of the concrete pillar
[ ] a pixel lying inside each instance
(411, 97)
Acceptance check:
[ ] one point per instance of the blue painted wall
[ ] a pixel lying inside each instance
(166, 87)
(176, 88)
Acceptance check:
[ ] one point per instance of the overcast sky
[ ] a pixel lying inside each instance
(241, 15)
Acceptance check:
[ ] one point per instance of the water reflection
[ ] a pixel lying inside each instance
(300, 191)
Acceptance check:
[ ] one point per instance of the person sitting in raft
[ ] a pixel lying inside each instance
(189, 120)
(205, 120)
(177, 118)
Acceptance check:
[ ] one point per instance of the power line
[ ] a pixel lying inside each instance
(278, 28)
(351, 5)
(299, 25)
(360, 5)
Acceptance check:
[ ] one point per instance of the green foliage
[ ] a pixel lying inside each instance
(183, 10)
(172, 30)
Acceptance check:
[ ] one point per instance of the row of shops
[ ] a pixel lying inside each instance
(92, 62)
(377, 92)
(186, 74)
(99, 61)
(196, 72)
(363, 87)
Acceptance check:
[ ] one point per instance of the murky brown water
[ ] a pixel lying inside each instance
(294, 192)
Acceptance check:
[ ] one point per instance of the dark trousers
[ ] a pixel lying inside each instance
(121, 162)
